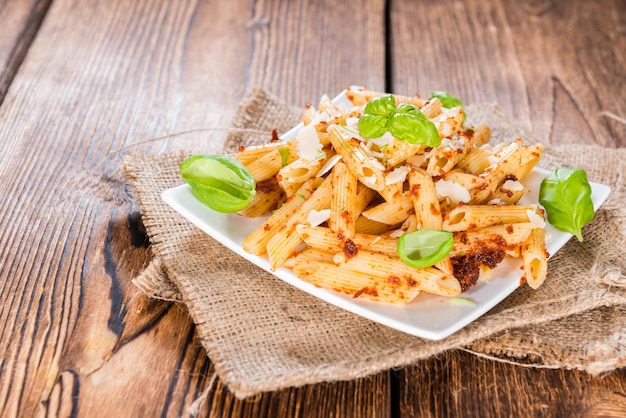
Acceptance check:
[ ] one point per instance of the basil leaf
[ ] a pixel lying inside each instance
(448, 101)
(382, 106)
(414, 129)
(566, 195)
(372, 126)
(410, 109)
(424, 248)
(221, 183)
(406, 123)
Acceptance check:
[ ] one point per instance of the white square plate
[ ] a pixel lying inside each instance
(427, 316)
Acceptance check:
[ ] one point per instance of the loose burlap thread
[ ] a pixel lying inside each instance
(262, 334)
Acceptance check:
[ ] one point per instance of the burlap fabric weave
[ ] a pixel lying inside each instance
(262, 334)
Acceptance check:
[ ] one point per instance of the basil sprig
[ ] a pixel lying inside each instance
(405, 122)
(222, 183)
(566, 196)
(447, 100)
(425, 247)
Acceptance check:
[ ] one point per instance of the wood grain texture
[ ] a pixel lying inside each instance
(461, 384)
(557, 66)
(20, 21)
(76, 336)
(298, 40)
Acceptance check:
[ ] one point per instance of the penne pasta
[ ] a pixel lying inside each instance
(248, 154)
(426, 204)
(343, 206)
(507, 238)
(269, 196)
(477, 216)
(368, 170)
(285, 241)
(430, 280)
(256, 242)
(535, 258)
(355, 284)
(339, 214)
(392, 212)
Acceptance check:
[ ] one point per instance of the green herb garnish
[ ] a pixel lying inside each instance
(424, 248)
(406, 122)
(566, 196)
(448, 101)
(284, 155)
(221, 183)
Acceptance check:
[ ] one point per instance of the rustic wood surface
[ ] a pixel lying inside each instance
(80, 80)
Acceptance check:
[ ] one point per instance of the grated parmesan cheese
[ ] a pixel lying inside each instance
(513, 185)
(535, 219)
(318, 217)
(352, 122)
(397, 175)
(456, 192)
(370, 181)
(381, 141)
(328, 165)
(309, 145)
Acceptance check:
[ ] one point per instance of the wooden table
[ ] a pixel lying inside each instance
(79, 80)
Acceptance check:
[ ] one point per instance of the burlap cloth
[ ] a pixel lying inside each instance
(262, 334)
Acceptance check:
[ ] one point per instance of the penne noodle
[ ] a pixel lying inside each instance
(426, 204)
(391, 212)
(478, 216)
(269, 196)
(256, 242)
(507, 238)
(497, 172)
(452, 150)
(285, 241)
(323, 239)
(343, 206)
(535, 258)
(429, 280)
(265, 167)
(449, 121)
(249, 154)
(475, 161)
(310, 255)
(356, 284)
(368, 170)
(294, 174)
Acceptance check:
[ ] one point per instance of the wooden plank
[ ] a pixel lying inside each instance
(99, 76)
(20, 21)
(295, 47)
(538, 63)
(534, 59)
(76, 337)
(461, 384)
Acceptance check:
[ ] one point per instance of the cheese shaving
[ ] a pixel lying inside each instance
(397, 175)
(309, 145)
(513, 185)
(535, 219)
(456, 192)
(318, 217)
